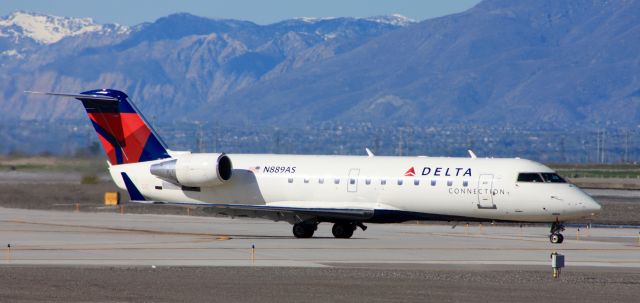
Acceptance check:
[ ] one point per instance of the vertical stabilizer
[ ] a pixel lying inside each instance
(124, 133)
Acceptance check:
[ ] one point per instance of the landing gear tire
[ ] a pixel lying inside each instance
(304, 230)
(556, 238)
(343, 230)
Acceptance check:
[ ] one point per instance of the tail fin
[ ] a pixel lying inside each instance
(124, 133)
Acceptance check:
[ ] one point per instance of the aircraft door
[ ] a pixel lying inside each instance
(352, 182)
(485, 192)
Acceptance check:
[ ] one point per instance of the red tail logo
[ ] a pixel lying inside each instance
(125, 136)
(411, 172)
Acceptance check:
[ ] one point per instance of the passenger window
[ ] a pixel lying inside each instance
(321, 180)
(383, 182)
(306, 180)
(399, 181)
(352, 181)
(449, 183)
(553, 178)
(529, 177)
(290, 180)
(433, 182)
(465, 183)
(367, 181)
(336, 181)
(416, 182)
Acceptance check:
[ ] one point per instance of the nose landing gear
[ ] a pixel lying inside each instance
(556, 236)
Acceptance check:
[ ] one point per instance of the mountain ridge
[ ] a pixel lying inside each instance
(471, 74)
(521, 63)
(179, 60)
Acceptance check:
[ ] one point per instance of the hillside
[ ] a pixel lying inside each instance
(502, 62)
(521, 63)
(170, 66)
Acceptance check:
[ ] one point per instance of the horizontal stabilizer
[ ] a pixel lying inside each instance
(77, 96)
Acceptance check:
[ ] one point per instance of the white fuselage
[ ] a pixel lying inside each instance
(441, 188)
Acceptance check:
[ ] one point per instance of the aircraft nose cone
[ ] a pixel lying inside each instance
(595, 206)
(592, 207)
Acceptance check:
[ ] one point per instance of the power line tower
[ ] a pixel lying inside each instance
(400, 143)
(276, 148)
(216, 134)
(563, 154)
(200, 137)
(625, 159)
(604, 146)
(376, 143)
(597, 158)
(600, 146)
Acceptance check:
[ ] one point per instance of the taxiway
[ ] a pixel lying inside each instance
(77, 238)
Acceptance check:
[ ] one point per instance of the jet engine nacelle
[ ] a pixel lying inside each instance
(197, 170)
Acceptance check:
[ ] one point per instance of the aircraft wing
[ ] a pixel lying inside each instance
(276, 213)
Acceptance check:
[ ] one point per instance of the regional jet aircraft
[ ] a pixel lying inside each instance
(347, 191)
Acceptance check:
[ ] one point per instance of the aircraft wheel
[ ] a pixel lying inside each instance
(302, 230)
(556, 238)
(343, 230)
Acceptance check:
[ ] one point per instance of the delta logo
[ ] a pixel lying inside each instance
(411, 172)
(440, 172)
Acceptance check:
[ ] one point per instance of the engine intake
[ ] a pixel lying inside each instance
(198, 170)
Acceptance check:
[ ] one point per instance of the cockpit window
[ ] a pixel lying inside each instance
(529, 177)
(553, 178)
(540, 177)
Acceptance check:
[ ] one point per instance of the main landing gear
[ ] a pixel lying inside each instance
(340, 230)
(304, 230)
(344, 230)
(556, 237)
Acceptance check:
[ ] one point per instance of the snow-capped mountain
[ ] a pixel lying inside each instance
(543, 62)
(537, 63)
(395, 19)
(44, 29)
(213, 57)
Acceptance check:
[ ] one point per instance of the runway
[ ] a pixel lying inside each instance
(38, 237)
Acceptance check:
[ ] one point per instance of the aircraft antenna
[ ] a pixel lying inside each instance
(369, 152)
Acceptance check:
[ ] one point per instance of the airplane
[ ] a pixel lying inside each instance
(348, 191)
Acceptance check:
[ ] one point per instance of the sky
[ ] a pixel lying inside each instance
(132, 12)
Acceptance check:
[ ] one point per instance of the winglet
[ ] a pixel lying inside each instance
(472, 154)
(134, 193)
(369, 152)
